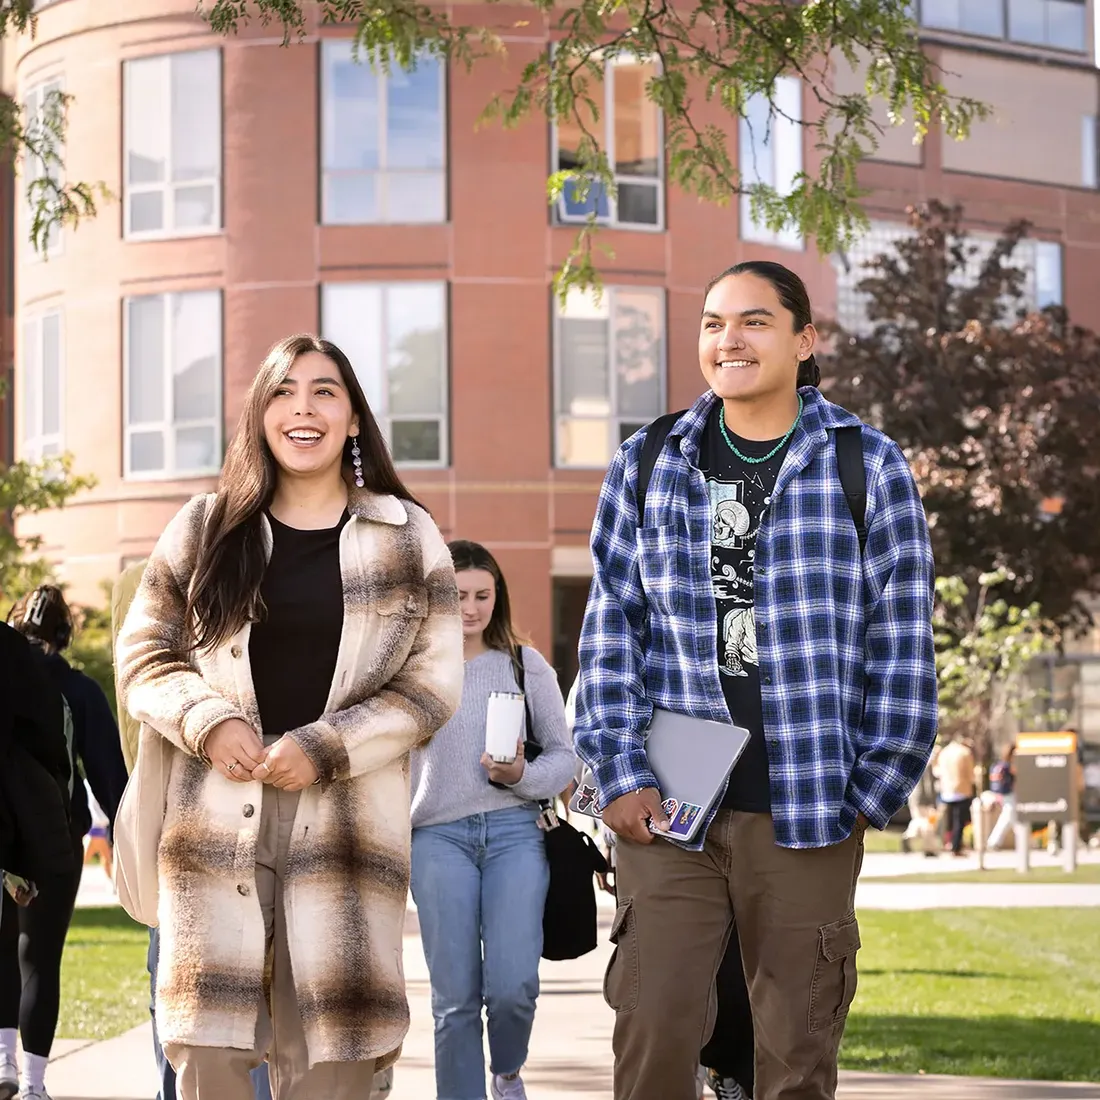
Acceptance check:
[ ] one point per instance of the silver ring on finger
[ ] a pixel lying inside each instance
(232, 767)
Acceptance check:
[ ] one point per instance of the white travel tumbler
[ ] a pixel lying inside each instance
(503, 725)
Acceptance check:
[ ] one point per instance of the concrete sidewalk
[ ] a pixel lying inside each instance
(570, 1052)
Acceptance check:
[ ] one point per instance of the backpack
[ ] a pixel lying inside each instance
(849, 460)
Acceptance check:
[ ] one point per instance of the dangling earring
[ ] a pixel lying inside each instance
(357, 461)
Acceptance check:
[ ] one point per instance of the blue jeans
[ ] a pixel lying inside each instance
(165, 1072)
(480, 888)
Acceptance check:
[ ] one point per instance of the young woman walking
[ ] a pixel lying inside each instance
(294, 636)
(32, 938)
(479, 871)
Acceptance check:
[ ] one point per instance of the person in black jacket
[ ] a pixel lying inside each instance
(35, 830)
(32, 938)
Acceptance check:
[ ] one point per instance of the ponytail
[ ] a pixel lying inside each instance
(809, 373)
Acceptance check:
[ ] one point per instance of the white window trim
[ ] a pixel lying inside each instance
(31, 447)
(381, 410)
(383, 173)
(56, 247)
(615, 418)
(612, 219)
(167, 424)
(751, 232)
(168, 232)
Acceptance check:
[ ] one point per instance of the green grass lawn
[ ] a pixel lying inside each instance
(990, 992)
(104, 984)
(888, 841)
(1088, 873)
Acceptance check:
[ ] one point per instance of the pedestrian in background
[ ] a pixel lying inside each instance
(479, 867)
(955, 771)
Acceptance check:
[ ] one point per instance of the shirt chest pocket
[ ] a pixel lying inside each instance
(663, 565)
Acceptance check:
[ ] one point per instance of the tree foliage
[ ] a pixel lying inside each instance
(35, 142)
(719, 52)
(29, 487)
(996, 406)
(984, 644)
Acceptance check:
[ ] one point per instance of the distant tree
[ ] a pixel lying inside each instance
(996, 406)
(26, 488)
(34, 140)
(706, 51)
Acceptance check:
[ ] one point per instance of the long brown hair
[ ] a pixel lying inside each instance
(501, 632)
(225, 591)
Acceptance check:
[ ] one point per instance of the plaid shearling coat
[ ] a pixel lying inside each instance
(398, 678)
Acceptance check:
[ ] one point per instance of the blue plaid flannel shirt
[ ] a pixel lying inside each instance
(847, 667)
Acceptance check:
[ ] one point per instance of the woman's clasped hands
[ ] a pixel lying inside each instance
(234, 749)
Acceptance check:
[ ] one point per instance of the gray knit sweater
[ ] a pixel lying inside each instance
(448, 781)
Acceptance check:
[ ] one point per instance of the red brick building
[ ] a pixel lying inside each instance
(264, 190)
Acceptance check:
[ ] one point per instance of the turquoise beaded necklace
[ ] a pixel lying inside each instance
(773, 452)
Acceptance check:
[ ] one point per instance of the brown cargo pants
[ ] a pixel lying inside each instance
(795, 916)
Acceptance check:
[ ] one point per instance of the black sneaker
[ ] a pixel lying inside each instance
(725, 1088)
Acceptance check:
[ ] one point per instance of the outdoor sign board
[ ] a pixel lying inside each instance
(1046, 777)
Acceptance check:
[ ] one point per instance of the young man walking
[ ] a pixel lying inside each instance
(741, 589)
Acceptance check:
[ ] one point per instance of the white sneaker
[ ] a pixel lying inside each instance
(9, 1079)
(34, 1094)
(508, 1088)
(725, 1088)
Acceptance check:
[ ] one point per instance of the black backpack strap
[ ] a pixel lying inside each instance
(655, 436)
(853, 477)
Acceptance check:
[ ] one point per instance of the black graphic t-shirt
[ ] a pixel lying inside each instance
(740, 493)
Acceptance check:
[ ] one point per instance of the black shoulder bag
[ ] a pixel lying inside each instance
(569, 918)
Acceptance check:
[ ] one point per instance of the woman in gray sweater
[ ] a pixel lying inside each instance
(479, 871)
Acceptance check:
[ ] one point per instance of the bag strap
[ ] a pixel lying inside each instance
(655, 436)
(853, 477)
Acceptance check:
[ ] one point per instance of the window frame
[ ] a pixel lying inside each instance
(169, 231)
(790, 239)
(382, 415)
(168, 425)
(614, 418)
(55, 239)
(660, 180)
(1086, 48)
(383, 173)
(31, 446)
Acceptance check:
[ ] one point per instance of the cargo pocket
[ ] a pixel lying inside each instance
(620, 982)
(834, 984)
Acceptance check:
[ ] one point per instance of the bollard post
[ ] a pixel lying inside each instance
(1023, 846)
(1069, 847)
(977, 819)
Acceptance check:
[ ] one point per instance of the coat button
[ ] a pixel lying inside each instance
(235, 651)
(249, 810)
(243, 890)
(410, 604)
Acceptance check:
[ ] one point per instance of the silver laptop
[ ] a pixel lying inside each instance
(691, 758)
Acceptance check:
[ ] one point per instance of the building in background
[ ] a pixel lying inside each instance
(264, 190)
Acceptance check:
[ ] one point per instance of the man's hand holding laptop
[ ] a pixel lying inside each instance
(637, 816)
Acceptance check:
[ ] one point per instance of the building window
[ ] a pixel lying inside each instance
(609, 371)
(629, 131)
(395, 335)
(173, 398)
(43, 109)
(771, 152)
(1088, 151)
(383, 146)
(40, 382)
(1041, 262)
(1059, 24)
(173, 144)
